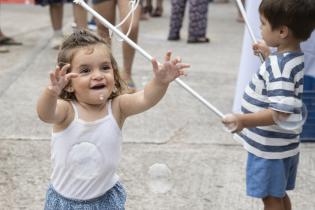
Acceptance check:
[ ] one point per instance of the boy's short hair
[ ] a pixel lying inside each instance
(297, 15)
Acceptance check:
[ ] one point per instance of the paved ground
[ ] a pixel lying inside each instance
(207, 166)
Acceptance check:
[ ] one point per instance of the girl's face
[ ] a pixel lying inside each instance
(95, 82)
(269, 35)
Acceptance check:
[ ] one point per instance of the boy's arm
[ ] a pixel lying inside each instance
(154, 90)
(237, 122)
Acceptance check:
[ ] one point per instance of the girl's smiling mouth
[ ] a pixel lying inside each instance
(98, 86)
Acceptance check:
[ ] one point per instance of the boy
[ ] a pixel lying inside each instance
(273, 152)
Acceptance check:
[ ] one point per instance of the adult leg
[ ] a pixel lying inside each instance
(128, 51)
(149, 5)
(159, 3)
(177, 16)
(273, 203)
(107, 10)
(80, 16)
(158, 9)
(198, 20)
(146, 9)
(56, 17)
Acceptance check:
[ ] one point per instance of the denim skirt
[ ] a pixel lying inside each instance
(113, 199)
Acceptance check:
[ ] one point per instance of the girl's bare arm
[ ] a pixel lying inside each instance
(155, 89)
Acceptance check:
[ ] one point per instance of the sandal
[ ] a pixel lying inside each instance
(131, 87)
(146, 12)
(5, 40)
(157, 12)
(4, 49)
(198, 40)
(148, 9)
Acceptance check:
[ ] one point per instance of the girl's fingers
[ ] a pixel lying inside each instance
(155, 64)
(57, 67)
(70, 76)
(182, 65)
(52, 78)
(176, 60)
(168, 56)
(57, 73)
(64, 69)
(182, 72)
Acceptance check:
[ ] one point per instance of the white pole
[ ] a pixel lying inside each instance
(242, 10)
(146, 55)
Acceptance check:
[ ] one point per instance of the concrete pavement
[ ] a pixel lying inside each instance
(207, 165)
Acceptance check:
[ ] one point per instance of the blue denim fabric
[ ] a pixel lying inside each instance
(113, 199)
(269, 177)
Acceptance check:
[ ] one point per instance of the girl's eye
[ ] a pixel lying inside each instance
(105, 67)
(84, 70)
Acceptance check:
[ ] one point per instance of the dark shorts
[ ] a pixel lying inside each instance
(100, 1)
(48, 2)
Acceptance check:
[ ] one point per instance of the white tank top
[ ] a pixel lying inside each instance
(85, 157)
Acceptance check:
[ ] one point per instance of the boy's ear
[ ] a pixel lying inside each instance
(284, 31)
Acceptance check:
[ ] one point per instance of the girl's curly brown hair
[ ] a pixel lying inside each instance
(79, 39)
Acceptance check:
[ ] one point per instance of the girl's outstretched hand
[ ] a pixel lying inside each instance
(169, 70)
(261, 48)
(59, 78)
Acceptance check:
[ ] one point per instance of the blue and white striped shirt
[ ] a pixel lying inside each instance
(278, 83)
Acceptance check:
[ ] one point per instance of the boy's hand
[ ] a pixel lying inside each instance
(233, 123)
(59, 79)
(169, 70)
(261, 48)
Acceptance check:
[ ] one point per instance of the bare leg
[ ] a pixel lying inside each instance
(158, 9)
(272, 203)
(149, 6)
(80, 16)
(56, 15)
(159, 4)
(107, 10)
(128, 51)
(146, 9)
(287, 202)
